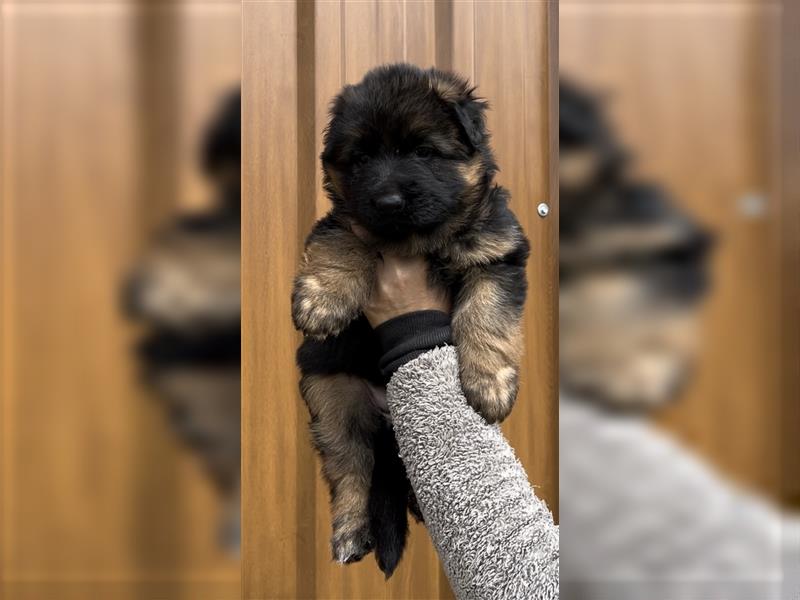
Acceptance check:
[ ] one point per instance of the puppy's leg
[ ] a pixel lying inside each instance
(334, 280)
(343, 424)
(488, 336)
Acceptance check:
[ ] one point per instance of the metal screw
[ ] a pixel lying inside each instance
(543, 209)
(753, 205)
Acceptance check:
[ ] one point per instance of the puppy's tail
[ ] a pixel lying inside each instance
(388, 499)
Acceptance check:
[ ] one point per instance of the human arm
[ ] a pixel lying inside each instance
(495, 538)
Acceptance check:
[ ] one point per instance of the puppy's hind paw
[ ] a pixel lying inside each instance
(352, 545)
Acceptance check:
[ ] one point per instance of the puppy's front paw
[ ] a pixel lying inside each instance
(490, 393)
(317, 312)
(351, 539)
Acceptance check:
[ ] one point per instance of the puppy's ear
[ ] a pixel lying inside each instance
(468, 108)
(221, 148)
(470, 117)
(334, 136)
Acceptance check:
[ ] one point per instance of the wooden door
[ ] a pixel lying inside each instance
(692, 89)
(102, 106)
(296, 57)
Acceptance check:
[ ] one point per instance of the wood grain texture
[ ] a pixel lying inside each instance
(274, 444)
(349, 39)
(97, 498)
(691, 91)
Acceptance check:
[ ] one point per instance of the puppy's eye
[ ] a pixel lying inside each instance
(361, 159)
(423, 151)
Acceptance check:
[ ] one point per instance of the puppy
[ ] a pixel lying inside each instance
(407, 158)
(633, 268)
(185, 290)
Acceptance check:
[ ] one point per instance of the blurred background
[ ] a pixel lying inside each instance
(691, 91)
(678, 299)
(105, 489)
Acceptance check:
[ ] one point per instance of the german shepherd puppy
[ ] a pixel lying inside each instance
(406, 157)
(633, 269)
(185, 291)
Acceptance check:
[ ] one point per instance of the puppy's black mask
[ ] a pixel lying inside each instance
(406, 151)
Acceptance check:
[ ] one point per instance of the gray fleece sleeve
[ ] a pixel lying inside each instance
(495, 538)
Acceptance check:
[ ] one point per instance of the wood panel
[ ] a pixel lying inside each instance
(691, 90)
(285, 503)
(97, 497)
(277, 465)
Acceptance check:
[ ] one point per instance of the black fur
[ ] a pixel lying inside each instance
(388, 501)
(386, 137)
(355, 351)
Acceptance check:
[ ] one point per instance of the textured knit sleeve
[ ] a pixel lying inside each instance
(644, 517)
(495, 538)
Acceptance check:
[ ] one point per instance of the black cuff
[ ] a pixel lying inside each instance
(405, 337)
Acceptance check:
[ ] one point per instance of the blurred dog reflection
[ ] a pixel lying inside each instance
(642, 514)
(186, 290)
(632, 269)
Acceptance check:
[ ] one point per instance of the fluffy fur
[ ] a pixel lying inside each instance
(407, 157)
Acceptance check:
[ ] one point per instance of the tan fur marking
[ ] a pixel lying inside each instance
(611, 241)
(447, 90)
(306, 304)
(340, 425)
(471, 172)
(489, 343)
(313, 284)
(335, 179)
(334, 281)
(615, 346)
(576, 168)
(488, 248)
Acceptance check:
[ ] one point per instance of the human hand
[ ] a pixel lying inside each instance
(402, 286)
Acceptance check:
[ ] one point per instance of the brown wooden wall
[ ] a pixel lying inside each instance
(296, 57)
(102, 104)
(693, 90)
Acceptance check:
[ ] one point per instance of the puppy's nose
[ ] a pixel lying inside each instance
(389, 202)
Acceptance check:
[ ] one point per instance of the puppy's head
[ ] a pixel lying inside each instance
(406, 151)
(589, 152)
(221, 151)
